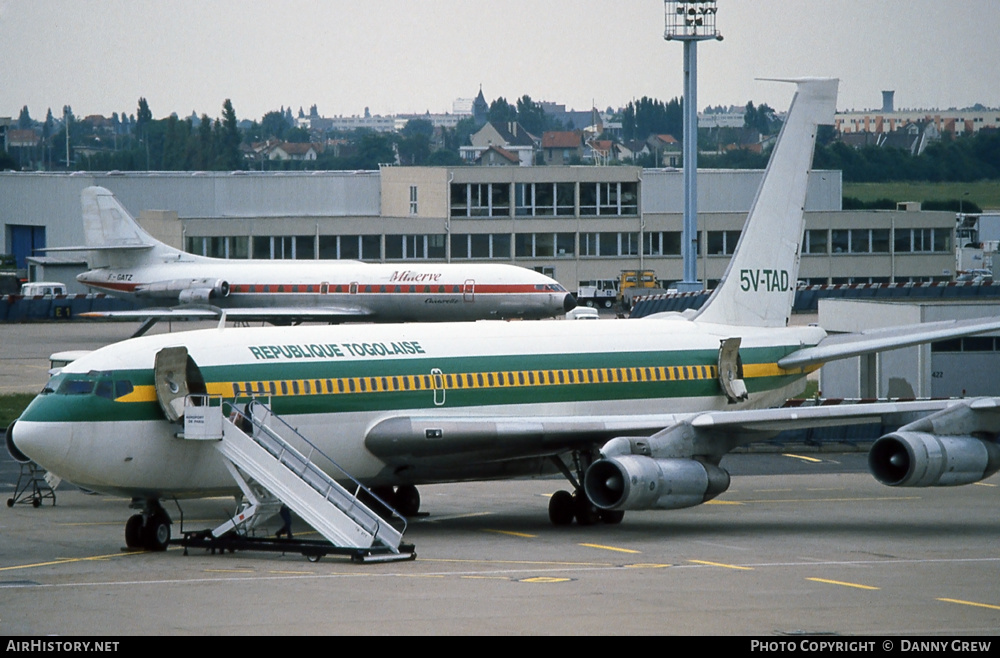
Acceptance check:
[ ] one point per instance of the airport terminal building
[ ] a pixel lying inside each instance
(574, 223)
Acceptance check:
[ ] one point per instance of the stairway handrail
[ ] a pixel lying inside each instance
(258, 421)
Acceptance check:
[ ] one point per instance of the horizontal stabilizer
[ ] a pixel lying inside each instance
(124, 247)
(847, 345)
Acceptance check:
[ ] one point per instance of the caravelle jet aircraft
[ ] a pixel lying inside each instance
(638, 428)
(127, 262)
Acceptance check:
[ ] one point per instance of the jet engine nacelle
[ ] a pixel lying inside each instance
(186, 291)
(919, 459)
(635, 482)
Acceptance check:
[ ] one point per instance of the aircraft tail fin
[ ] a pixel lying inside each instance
(107, 225)
(758, 287)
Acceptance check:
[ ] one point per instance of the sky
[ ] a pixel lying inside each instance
(410, 56)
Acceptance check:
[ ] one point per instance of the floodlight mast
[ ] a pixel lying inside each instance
(690, 21)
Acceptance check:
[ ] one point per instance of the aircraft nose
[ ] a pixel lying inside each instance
(12, 449)
(569, 302)
(39, 442)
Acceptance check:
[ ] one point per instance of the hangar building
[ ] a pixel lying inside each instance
(575, 223)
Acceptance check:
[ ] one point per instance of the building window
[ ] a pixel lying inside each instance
(922, 240)
(279, 247)
(480, 245)
(815, 241)
(435, 246)
(351, 247)
(535, 200)
(609, 199)
(880, 240)
(661, 243)
(524, 245)
(328, 247)
(305, 247)
(565, 244)
(840, 241)
(859, 241)
(722, 243)
(544, 245)
(413, 199)
(414, 247)
(480, 200)
(404, 246)
(565, 199)
(219, 247)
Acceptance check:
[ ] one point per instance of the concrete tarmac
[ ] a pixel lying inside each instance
(795, 546)
(824, 551)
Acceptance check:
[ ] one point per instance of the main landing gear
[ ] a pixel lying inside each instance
(565, 506)
(405, 498)
(149, 529)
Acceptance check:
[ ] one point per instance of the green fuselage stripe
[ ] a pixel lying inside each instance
(313, 387)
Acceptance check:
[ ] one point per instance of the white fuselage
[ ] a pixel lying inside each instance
(618, 369)
(374, 292)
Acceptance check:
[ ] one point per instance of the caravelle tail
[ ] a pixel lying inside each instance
(758, 287)
(111, 234)
(107, 225)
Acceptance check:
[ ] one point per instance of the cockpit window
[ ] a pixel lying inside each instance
(122, 387)
(104, 389)
(76, 387)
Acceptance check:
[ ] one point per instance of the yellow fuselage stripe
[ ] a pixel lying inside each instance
(470, 380)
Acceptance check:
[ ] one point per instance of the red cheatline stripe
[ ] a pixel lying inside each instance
(367, 289)
(109, 285)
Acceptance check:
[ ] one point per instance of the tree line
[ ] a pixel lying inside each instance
(140, 142)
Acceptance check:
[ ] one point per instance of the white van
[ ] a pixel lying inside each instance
(43, 288)
(582, 313)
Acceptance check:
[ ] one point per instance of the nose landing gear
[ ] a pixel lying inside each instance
(149, 530)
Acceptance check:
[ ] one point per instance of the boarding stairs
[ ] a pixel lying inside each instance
(271, 472)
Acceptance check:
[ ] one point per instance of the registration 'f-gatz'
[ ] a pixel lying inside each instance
(167, 283)
(637, 414)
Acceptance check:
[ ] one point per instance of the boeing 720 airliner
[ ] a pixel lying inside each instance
(637, 414)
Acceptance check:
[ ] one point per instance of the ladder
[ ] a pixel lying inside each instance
(263, 462)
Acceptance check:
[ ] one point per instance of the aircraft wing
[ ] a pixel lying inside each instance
(290, 313)
(847, 345)
(412, 439)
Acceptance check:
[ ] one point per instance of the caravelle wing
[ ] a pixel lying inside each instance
(289, 314)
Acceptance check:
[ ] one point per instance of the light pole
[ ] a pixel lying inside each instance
(690, 21)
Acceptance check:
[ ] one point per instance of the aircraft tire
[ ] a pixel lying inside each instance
(133, 531)
(561, 508)
(157, 532)
(384, 493)
(407, 500)
(586, 512)
(612, 516)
